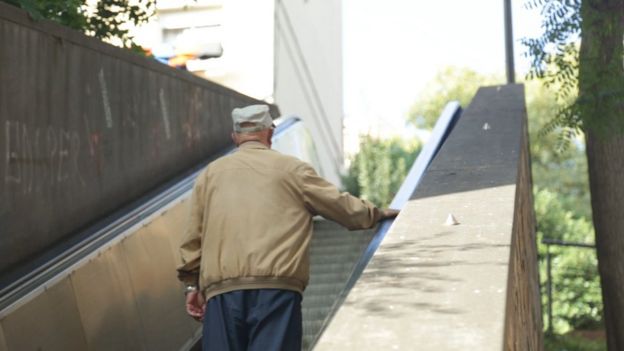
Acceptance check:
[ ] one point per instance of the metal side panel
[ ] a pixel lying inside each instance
(173, 225)
(3, 345)
(106, 303)
(158, 294)
(49, 322)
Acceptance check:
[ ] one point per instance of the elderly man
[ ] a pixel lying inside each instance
(246, 248)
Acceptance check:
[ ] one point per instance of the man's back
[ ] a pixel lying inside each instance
(246, 248)
(252, 215)
(257, 226)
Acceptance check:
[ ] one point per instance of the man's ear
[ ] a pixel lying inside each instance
(234, 138)
(270, 136)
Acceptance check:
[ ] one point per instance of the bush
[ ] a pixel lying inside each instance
(572, 343)
(377, 171)
(109, 20)
(577, 299)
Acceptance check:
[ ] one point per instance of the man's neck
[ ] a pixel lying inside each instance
(256, 140)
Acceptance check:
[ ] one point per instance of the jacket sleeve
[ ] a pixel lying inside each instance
(190, 248)
(323, 198)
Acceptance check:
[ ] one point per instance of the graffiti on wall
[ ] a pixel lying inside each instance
(36, 158)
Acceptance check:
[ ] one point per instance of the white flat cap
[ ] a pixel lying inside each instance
(257, 114)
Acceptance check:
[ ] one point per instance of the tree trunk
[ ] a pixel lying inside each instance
(601, 81)
(606, 172)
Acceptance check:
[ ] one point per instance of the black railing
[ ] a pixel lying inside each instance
(549, 294)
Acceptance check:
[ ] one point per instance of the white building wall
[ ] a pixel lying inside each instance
(308, 73)
(288, 52)
(247, 48)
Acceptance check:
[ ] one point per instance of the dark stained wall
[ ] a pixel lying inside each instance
(523, 317)
(86, 127)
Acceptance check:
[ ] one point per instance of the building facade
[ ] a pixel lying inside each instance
(287, 52)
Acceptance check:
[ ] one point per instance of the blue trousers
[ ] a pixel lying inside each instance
(253, 320)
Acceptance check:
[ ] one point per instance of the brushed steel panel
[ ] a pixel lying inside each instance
(172, 225)
(3, 345)
(49, 322)
(106, 303)
(158, 294)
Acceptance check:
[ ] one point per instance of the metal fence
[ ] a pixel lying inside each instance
(549, 279)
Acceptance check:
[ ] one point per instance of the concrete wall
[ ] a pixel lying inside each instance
(87, 127)
(470, 286)
(308, 72)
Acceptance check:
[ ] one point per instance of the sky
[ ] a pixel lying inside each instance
(392, 48)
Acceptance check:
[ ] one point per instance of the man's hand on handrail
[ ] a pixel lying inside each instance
(388, 213)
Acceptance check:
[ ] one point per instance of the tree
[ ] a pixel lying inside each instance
(577, 303)
(562, 170)
(557, 168)
(449, 84)
(563, 212)
(109, 20)
(595, 72)
(377, 171)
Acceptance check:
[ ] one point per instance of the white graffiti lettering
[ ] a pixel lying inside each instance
(105, 100)
(165, 113)
(38, 159)
(11, 174)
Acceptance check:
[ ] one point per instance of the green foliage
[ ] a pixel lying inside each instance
(562, 170)
(554, 55)
(572, 343)
(555, 60)
(563, 212)
(556, 166)
(109, 20)
(577, 300)
(449, 84)
(67, 12)
(377, 171)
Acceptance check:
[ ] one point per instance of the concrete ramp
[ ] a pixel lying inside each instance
(464, 283)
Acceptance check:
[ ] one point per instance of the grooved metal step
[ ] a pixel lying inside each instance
(334, 252)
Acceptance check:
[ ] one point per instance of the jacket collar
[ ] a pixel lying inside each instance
(252, 145)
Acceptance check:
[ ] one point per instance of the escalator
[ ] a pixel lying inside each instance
(116, 288)
(100, 160)
(112, 285)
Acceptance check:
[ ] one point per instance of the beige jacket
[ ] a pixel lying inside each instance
(251, 221)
